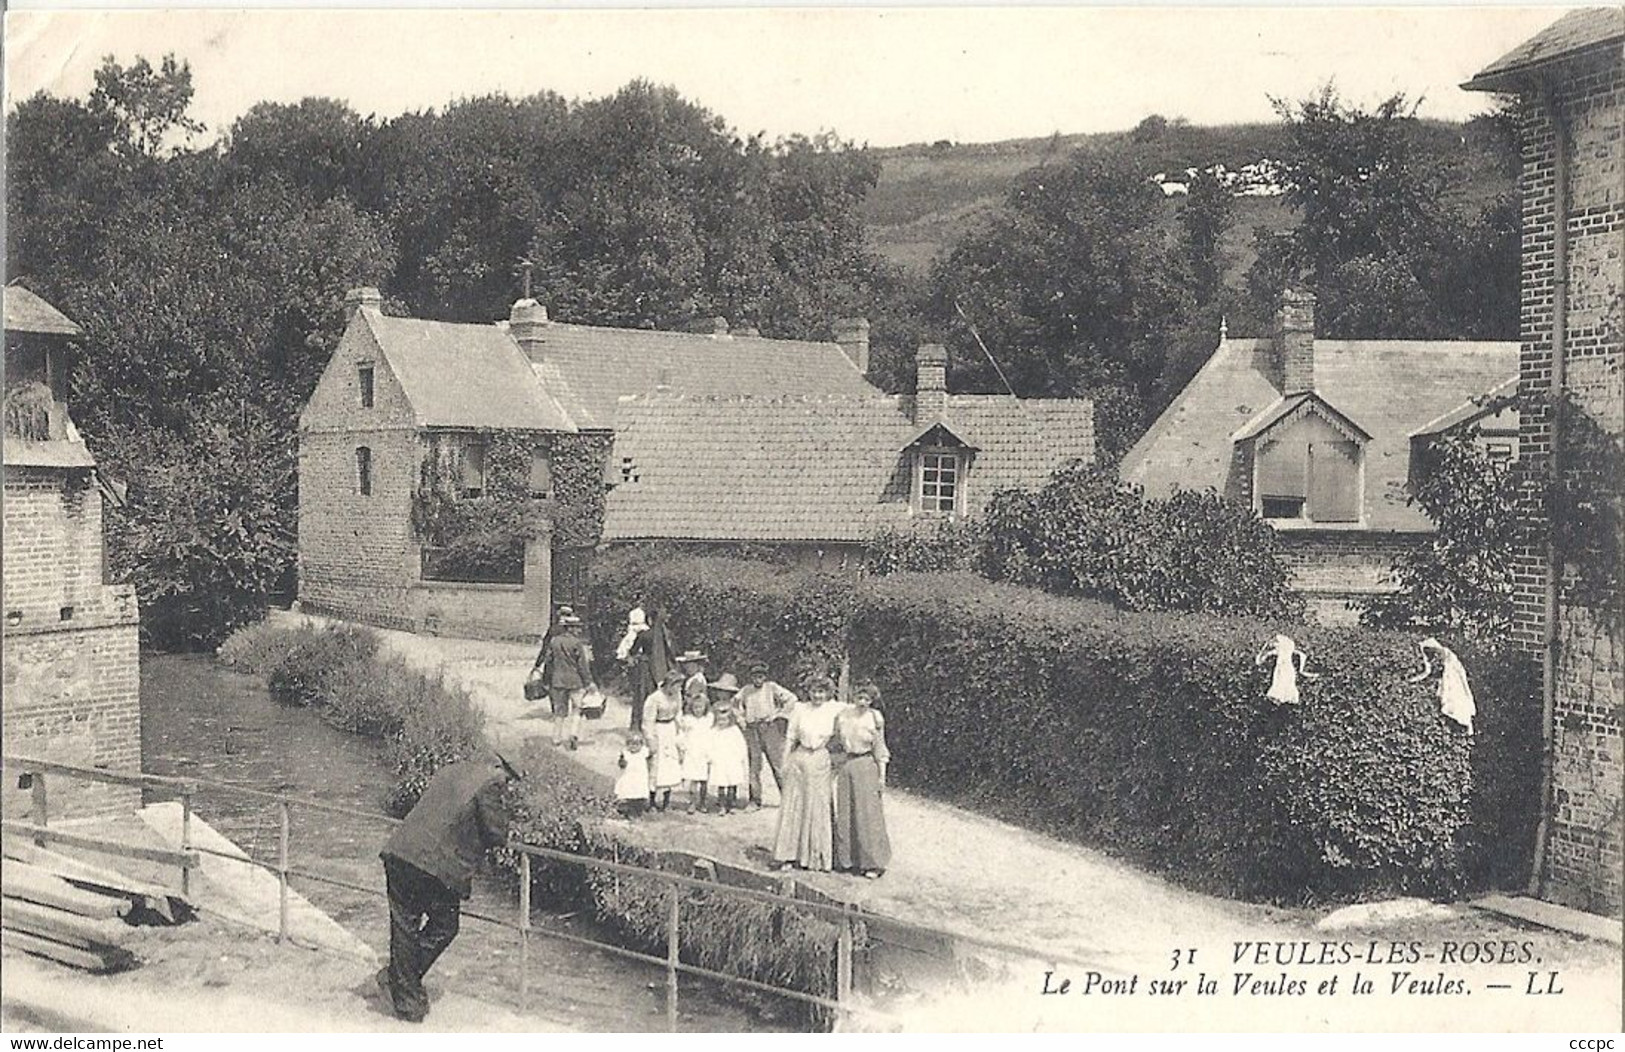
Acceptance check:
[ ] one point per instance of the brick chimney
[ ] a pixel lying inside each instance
(853, 336)
(930, 384)
(362, 299)
(1294, 350)
(527, 324)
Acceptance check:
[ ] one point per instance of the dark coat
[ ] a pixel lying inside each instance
(569, 664)
(458, 818)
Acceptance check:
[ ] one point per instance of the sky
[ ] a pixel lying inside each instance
(881, 76)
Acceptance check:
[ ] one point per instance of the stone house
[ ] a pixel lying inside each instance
(815, 477)
(1320, 437)
(408, 407)
(72, 675)
(1569, 85)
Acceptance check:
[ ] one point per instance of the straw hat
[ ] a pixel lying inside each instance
(726, 683)
(690, 656)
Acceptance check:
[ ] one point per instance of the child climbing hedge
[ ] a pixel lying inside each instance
(1149, 734)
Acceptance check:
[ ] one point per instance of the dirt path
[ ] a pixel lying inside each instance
(961, 872)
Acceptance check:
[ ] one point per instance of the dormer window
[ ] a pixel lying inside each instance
(940, 472)
(1308, 463)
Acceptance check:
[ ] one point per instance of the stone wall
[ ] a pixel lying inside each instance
(71, 646)
(1583, 855)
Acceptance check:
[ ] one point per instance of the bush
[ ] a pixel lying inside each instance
(736, 610)
(423, 722)
(935, 547)
(1089, 535)
(561, 806)
(1149, 734)
(309, 655)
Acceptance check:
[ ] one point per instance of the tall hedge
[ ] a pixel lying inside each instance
(1149, 734)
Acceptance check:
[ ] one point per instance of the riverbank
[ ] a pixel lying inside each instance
(966, 873)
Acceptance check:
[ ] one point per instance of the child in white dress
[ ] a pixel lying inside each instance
(632, 784)
(730, 759)
(694, 744)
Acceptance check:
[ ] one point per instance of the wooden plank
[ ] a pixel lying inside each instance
(19, 880)
(152, 903)
(113, 959)
(162, 856)
(77, 871)
(61, 926)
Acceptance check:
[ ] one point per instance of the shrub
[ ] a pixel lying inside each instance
(1149, 733)
(736, 610)
(938, 546)
(1089, 535)
(308, 655)
(560, 805)
(444, 730)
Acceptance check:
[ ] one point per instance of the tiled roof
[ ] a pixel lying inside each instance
(602, 364)
(458, 375)
(812, 469)
(58, 453)
(26, 312)
(1472, 409)
(1575, 31)
(1388, 387)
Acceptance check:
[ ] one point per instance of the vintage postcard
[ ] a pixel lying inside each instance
(851, 519)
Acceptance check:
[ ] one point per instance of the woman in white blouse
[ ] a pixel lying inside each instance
(861, 842)
(807, 803)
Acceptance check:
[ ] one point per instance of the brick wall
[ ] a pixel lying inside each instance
(1334, 569)
(1583, 861)
(71, 660)
(357, 557)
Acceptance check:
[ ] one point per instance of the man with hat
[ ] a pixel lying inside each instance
(569, 675)
(429, 864)
(764, 709)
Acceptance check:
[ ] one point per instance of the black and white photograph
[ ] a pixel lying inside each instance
(813, 520)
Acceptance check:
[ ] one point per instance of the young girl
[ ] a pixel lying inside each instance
(632, 785)
(694, 743)
(730, 761)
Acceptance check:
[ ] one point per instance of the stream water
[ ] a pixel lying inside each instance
(204, 721)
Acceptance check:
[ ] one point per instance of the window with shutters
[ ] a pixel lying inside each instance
(1308, 472)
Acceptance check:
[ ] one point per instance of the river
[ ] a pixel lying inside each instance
(207, 722)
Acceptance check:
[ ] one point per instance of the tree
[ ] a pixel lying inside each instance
(1461, 581)
(1086, 533)
(1076, 289)
(1389, 251)
(148, 106)
(1206, 216)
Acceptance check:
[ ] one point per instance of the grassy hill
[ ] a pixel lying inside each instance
(929, 194)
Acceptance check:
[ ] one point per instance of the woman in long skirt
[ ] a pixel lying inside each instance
(661, 730)
(807, 805)
(861, 842)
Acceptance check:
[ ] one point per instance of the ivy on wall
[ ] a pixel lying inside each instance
(483, 538)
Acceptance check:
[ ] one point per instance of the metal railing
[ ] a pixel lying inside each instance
(845, 916)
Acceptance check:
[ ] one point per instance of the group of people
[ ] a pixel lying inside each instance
(710, 735)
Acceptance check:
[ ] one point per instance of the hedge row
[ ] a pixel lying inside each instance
(426, 723)
(1149, 734)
